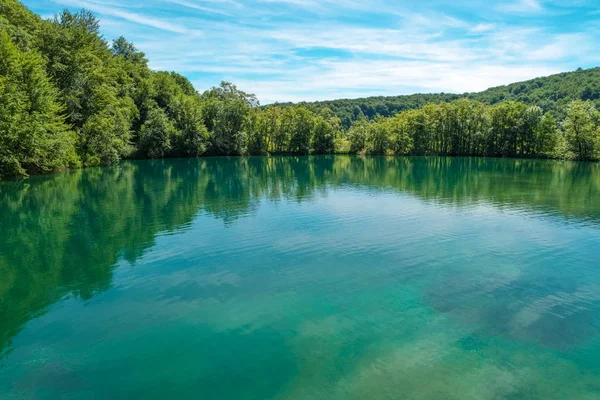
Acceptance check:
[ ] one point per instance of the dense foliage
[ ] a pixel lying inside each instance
(351, 110)
(462, 127)
(552, 94)
(470, 128)
(71, 99)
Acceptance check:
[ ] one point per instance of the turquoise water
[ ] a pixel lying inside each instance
(303, 278)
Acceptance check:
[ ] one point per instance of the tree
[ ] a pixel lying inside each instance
(323, 138)
(357, 135)
(507, 129)
(582, 134)
(33, 135)
(227, 91)
(378, 137)
(416, 122)
(400, 140)
(282, 134)
(257, 126)
(156, 135)
(183, 82)
(299, 122)
(122, 48)
(193, 138)
(467, 125)
(105, 138)
(546, 137)
(224, 113)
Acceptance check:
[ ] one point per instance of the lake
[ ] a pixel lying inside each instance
(303, 278)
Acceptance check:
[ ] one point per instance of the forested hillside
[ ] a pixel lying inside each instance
(69, 99)
(552, 93)
(351, 110)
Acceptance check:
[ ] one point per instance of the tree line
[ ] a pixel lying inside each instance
(553, 94)
(470, 128)
(70, 99)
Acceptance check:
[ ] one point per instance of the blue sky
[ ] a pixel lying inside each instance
(294, 50)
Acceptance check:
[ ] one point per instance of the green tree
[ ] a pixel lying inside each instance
(467, 126)
(299, 121)
(156, 135)
(93, 85)
(192, 137)
(257, 127)
(582, 133)
(378, 137)
(417, 124)
(282, 134)
(357, 135)
(105, 138)
(398, 129)
(123, 48)
(33, 135)
(323, 137)
(224, 112)
(546, 137)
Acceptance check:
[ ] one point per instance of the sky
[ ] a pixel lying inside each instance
(306, 50)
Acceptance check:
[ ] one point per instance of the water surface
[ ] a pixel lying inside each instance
(303, 278)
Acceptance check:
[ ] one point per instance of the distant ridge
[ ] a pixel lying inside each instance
(551, 93)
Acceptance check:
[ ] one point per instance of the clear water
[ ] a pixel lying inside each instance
(303, 278)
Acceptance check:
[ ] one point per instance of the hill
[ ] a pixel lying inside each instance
(552, 93)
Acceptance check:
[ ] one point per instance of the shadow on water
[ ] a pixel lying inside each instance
(62, 235)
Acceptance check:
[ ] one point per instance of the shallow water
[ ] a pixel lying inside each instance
(303, 278)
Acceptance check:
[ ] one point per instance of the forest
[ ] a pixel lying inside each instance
(71, 99)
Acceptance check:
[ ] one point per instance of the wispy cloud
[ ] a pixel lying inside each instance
(483, 27)
(521, 6)
(130, 16)
(293, 50)
(196, 6)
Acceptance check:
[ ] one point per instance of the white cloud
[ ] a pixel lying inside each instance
(380, 61)
(563, 46)
(132, 17)
(521, 6)
(306, 49)
(195, 6)
(483, 27)
(358, 79)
